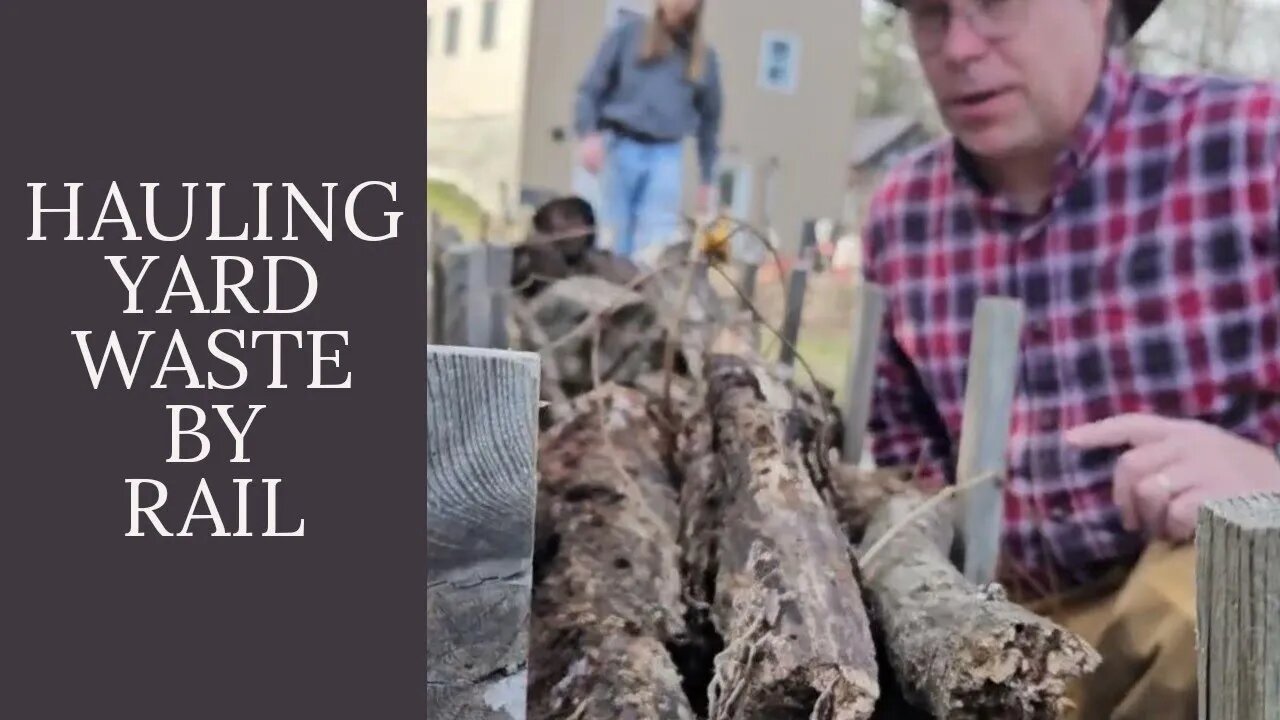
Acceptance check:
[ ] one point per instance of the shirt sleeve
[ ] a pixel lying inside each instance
(595, 85)
(904, 427)
(710, 110)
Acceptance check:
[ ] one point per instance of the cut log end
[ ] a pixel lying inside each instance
(960, 651)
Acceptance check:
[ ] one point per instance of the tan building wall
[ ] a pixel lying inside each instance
(518, 127)
(807, 130)
(566, 35)
(475, 99)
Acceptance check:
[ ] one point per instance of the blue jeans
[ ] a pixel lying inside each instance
(642, 193)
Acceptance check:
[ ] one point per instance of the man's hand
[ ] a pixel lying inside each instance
(1174, 466)
(591, 152)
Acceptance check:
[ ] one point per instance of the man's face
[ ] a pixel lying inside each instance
(1010, 76)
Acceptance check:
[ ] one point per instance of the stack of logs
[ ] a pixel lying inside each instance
(699, 552)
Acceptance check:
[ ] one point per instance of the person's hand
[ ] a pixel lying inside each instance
(702, 203)
(1174, 466)
(591, 152)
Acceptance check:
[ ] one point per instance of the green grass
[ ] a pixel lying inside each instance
(827, 354)
(456, 208)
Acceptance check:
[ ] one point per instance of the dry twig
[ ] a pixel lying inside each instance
(929, 504)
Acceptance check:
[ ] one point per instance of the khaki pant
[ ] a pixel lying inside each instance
(1145, 631)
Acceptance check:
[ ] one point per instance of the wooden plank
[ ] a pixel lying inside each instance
(1238, 613)
(479, 298)
(1204, 599)
(808, 239)
(481, 435)
(797, 282)
(864, 334)
(498, 268)
(747, 277)
(433, 298)
(468, 307)
(435, 295)
(984, 432)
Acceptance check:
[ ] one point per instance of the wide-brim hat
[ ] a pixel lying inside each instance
(1137, 12)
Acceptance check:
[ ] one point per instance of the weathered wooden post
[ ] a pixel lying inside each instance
(864, 334)
(808, 237)
(749, 272)
(984, 431)
(481, 462)
(498, 264)
(1238, 608)
(466, 300)
(476, 280)
(434, 296)
(797, 282)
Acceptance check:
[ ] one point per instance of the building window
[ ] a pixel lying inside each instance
(779, 62)
(733, 189)
(489, 25)
(452, 27)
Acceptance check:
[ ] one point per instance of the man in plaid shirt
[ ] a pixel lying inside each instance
(1138, 221)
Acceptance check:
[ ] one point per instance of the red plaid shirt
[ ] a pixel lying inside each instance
(1150, 280)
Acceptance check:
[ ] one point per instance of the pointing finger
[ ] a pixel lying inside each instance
(1180, 525)
(1152, 496)
(1134, 466)
(1131, 429)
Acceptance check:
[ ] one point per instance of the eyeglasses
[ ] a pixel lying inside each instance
(992, 20)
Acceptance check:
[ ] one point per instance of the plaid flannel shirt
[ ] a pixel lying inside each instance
(1150, 281)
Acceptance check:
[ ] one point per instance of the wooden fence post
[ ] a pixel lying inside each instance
(476, 279)
(747, 280)
(808, 238)
(481, 462)
(498, 263)
(750, 271)
(434, 318)
(434, 280)
(984, 430)
(864, 334)
(797, 281)
(1238, 608)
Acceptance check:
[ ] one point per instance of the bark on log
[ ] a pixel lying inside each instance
(627, 332)
(960, 651)
(607, 599)
(784, 599)
(857, 494)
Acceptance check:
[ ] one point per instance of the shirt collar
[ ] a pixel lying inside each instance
(1110, 97)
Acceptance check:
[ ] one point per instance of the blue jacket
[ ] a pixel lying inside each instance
(654, 98)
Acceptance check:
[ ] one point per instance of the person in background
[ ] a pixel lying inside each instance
(651, 84)
(1137, 218)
